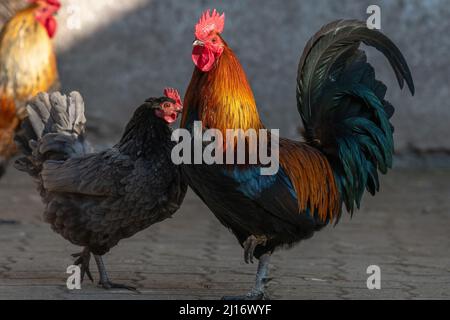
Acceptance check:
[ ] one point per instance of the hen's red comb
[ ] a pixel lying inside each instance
(209, 22)
(173, 94)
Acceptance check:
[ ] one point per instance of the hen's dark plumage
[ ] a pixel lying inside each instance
(95, 200)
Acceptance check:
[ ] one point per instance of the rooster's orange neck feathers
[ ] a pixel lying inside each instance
(222, 98)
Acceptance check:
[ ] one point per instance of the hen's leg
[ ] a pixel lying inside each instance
(258, 291)
(83, 261)
(104, 279)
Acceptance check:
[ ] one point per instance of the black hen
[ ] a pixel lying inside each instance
(94, 200)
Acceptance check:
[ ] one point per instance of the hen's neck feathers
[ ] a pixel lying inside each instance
(145, 134)
(221, 98)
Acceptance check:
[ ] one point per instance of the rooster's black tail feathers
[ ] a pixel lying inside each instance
(343, 106)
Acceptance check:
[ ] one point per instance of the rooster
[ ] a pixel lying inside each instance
(95, 199)
(348, 137)
(27, 66)
(8, 8)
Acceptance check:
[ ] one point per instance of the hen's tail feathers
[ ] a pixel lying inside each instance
(54, 130)
(343, 108)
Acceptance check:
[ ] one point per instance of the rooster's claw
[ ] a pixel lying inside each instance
(249, 296)
(250, 245)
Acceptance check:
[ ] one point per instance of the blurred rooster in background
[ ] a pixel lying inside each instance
(347, 131)
(27, 64)
(9, 8)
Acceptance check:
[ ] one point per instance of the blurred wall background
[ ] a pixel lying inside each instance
(118, 53)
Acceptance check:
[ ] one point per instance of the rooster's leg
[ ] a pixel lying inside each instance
(258, 291)
(83, 261)
(250, 245)
(104, 279)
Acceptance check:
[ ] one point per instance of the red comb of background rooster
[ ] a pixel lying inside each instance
(55, 3)
(209, 22)
(173, 94)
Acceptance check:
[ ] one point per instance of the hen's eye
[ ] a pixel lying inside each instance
(214, 40)
(166, 105)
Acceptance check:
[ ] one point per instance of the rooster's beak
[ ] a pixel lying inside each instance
(198, 43)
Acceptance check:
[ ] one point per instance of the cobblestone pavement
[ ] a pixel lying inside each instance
(405, 230)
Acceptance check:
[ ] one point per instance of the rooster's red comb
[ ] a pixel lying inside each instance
(173, 94)
(209, 22)
(55, 3)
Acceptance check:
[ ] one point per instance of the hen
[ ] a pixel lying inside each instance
(94, 200)
(347, 131)
(27, 64)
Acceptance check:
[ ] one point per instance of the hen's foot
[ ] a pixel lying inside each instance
(111, 285)
(104, 279)
(250, 245)
(83, 260)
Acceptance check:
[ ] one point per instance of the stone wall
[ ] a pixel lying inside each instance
(118, 53)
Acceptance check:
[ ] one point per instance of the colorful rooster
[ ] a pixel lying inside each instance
(347, 130)
(27, 66)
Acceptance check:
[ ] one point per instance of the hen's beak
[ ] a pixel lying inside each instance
(198, 43)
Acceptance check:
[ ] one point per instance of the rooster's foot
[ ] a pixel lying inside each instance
(258, 291)
(83, 261)
(250, 245)
(249, 296)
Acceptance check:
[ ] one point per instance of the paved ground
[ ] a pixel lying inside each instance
(405, 230)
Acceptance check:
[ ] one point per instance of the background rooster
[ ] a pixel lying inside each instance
(27, 65)
(96, 199)
(347, 131)
(9, 8)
